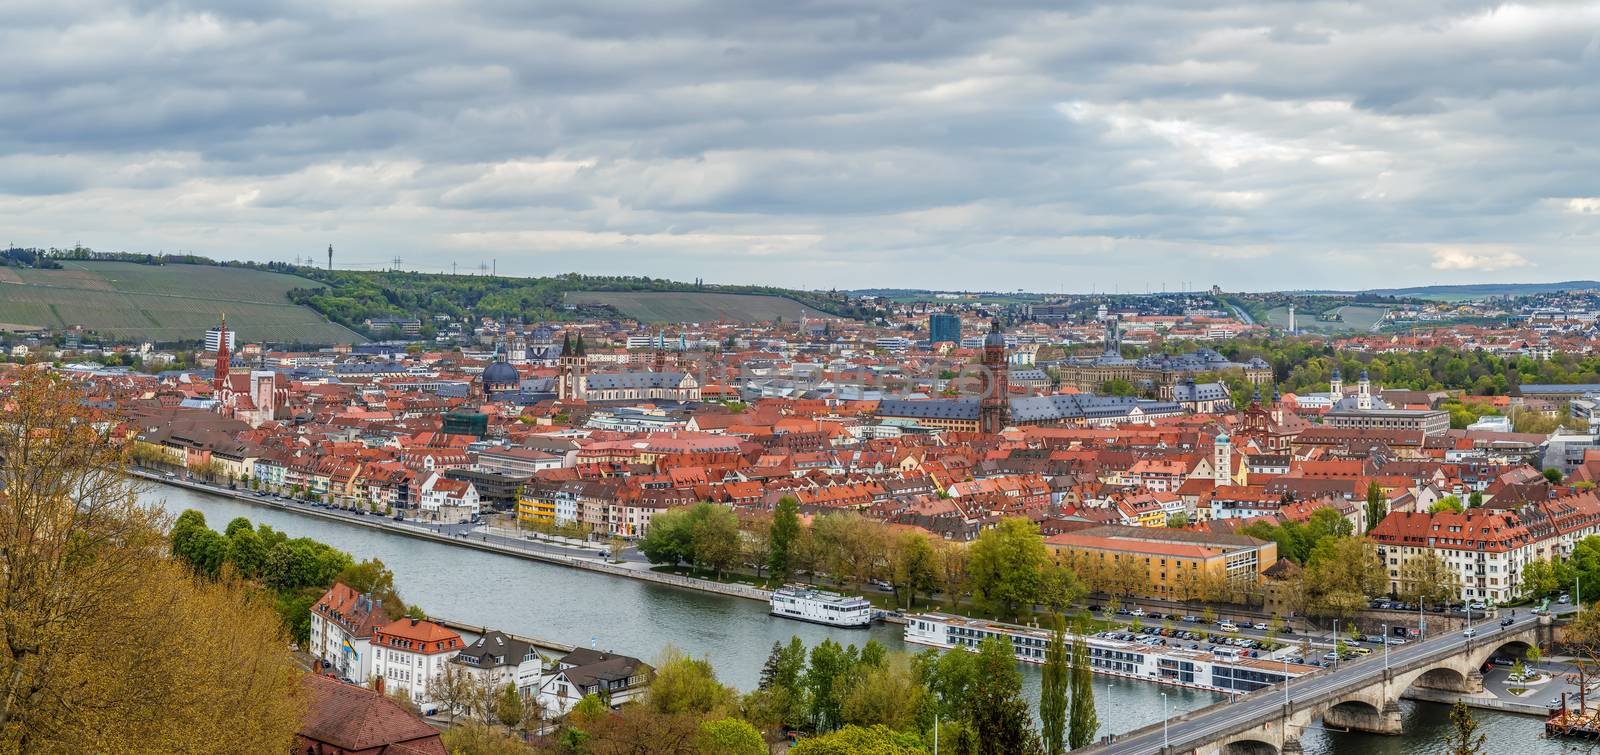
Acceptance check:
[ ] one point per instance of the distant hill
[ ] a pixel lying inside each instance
(691, 306)
(172, 302)
(1480, 290)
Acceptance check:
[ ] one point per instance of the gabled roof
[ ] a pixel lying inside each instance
(353, 718)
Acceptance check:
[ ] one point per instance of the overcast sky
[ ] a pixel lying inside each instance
(945, 144)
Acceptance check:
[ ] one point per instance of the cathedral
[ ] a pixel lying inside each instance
(575, 383)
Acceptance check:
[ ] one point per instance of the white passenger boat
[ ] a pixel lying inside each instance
(819, 607)
(1225, 670)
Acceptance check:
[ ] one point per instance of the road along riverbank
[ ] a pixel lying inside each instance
(410, 530)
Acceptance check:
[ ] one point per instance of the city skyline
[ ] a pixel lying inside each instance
(1107, 148)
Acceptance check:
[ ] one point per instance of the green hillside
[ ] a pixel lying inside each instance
(689, 306)
(172, 302)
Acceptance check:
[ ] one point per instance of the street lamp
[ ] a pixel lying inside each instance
(1164, 742)
(1286, 684)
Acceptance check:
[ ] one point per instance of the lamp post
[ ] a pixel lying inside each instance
(1164, 742)
(1286, 685)
(1385, 638)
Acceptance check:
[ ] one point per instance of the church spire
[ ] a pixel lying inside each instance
(219, 378)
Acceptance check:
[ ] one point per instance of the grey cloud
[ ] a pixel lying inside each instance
(939, 143)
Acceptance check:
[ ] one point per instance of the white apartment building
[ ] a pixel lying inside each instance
(409, 657)
(342, 625)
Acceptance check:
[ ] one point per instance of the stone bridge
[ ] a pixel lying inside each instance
(1373, 704)
(1361, 696)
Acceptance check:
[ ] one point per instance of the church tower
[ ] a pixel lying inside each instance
(220, 377)
(1336, 386)
(574, 363)
(1364, 392)
(994, 408)
(1222, 460)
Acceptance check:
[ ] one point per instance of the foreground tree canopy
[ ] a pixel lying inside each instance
(106, 643)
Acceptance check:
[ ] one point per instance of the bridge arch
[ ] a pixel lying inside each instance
(1353, 707)
(1513, 649)
(1249, 747)
(1440, 677)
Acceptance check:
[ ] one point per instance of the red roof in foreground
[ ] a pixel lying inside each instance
(359, 720)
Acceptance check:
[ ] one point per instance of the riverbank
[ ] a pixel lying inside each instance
(479, 631)
(409, 530)
(1485, 703)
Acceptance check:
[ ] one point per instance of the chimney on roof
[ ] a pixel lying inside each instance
(413, 621)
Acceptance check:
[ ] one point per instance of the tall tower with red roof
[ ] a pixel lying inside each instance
(220, 378)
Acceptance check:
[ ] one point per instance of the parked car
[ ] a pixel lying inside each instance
(1192, 619)
(1564, 599)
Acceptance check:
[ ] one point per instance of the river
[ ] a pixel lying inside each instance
(579, 607)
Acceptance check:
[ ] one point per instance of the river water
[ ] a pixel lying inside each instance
(578, 607)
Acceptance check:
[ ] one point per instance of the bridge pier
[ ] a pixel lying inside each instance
(1385, 720)
(1292, 746)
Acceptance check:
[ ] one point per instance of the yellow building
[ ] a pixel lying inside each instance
(536, 510)
(1162, 562)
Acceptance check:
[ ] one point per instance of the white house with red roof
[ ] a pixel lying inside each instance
(409, 655)
(448, 501)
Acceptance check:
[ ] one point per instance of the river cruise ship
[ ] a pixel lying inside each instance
(819, 607)
(1225, 670)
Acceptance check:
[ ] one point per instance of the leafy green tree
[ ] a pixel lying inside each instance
(188, 524)
(1006, 565)
(1059, 586)
(950, 677)
(1448, 503)
(714, 533)
(1343, 573)
(1057, 683)
(781, 538)
(508, 706)
(854, 740)
(884, 693)
(728, 736)
(829, 662)
(1475, 500)
(245, 552)
(687, 685)
(1554, 476)
(915, 566)
(998, 714)
(670, 539)
(1085, 721)
(1377, 505)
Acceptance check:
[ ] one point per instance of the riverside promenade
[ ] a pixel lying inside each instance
(504, 545)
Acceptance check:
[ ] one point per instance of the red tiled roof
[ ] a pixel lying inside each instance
(354, 719)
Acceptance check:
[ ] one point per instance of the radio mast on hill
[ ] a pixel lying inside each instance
(330, 256)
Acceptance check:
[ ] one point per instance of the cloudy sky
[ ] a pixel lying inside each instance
(944, 143)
